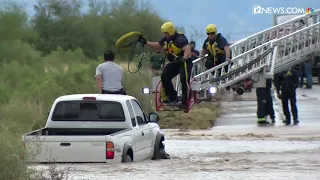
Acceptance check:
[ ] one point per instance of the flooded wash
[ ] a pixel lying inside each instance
(249, 153)
(216, 160)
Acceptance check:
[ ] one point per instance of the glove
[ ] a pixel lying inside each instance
(279, 96)
(142, 40)
(182, 60)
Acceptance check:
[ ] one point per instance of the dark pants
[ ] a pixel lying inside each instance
(289, 94)
(270, 109)
(121, 91)
(170, 71)
(308, 72)
(210, 64)
(301, 74)
(262, 102)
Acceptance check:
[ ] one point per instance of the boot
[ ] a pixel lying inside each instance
(183, 106)
(286, 122)
(262, 121)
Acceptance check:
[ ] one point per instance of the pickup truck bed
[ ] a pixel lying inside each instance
(75, 132)
(71, 144)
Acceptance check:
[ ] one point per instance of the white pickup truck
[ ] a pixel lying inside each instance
(96, 128)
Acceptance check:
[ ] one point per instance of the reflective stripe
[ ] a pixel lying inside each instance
(163, 95)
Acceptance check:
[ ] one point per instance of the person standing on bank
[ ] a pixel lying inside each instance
(109, 76)
(308, 71)
(270, 109)
(194, 55)
(264, 101)
(287, 83)
(301, 74)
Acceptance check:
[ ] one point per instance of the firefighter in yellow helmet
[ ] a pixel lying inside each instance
(177, 50)
(216, 46)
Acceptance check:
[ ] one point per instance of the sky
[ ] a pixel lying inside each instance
(234, 18)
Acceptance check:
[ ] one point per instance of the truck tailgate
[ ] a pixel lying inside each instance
(66, 148)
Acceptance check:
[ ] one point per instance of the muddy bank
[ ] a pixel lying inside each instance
(281, 133)
(247, 137)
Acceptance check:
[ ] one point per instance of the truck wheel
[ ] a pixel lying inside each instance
(156, 153)
(163, 154)
(240, 91)
(127, 159)
(159, 152)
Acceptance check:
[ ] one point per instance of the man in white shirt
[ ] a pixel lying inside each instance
(109, 76)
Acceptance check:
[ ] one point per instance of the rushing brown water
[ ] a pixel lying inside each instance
(218, 160)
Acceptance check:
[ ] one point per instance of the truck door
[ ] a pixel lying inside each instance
(146, 137)
(137, 141)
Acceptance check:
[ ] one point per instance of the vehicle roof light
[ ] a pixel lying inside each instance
(89, 98)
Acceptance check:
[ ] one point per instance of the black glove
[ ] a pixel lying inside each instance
(142, 40)
(181, 60)
(279, 96)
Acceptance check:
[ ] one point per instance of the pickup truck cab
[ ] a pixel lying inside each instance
(96, 128)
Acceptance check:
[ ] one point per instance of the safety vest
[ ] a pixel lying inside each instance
(171, 51)
(288, 73)
(214, 49)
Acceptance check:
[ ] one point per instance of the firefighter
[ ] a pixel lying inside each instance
(270, 109)
(264, 99)
(262, 102)
(178, 51)
(217, 48)
(287, 83)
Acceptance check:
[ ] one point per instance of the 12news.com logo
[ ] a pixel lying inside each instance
(256, 9)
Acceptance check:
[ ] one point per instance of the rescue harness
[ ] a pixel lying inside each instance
(212, 47)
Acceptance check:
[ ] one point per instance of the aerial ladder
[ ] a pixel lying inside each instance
(261, 55)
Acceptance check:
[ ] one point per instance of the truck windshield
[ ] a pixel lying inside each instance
(88, 111)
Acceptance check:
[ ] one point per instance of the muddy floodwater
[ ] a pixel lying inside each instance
(218, 160)
(234, 149)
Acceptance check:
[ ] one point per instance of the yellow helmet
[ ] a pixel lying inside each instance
(168, 27)
(211, 28)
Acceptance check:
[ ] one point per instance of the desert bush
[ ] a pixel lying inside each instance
(11, 166)
(202, 116)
